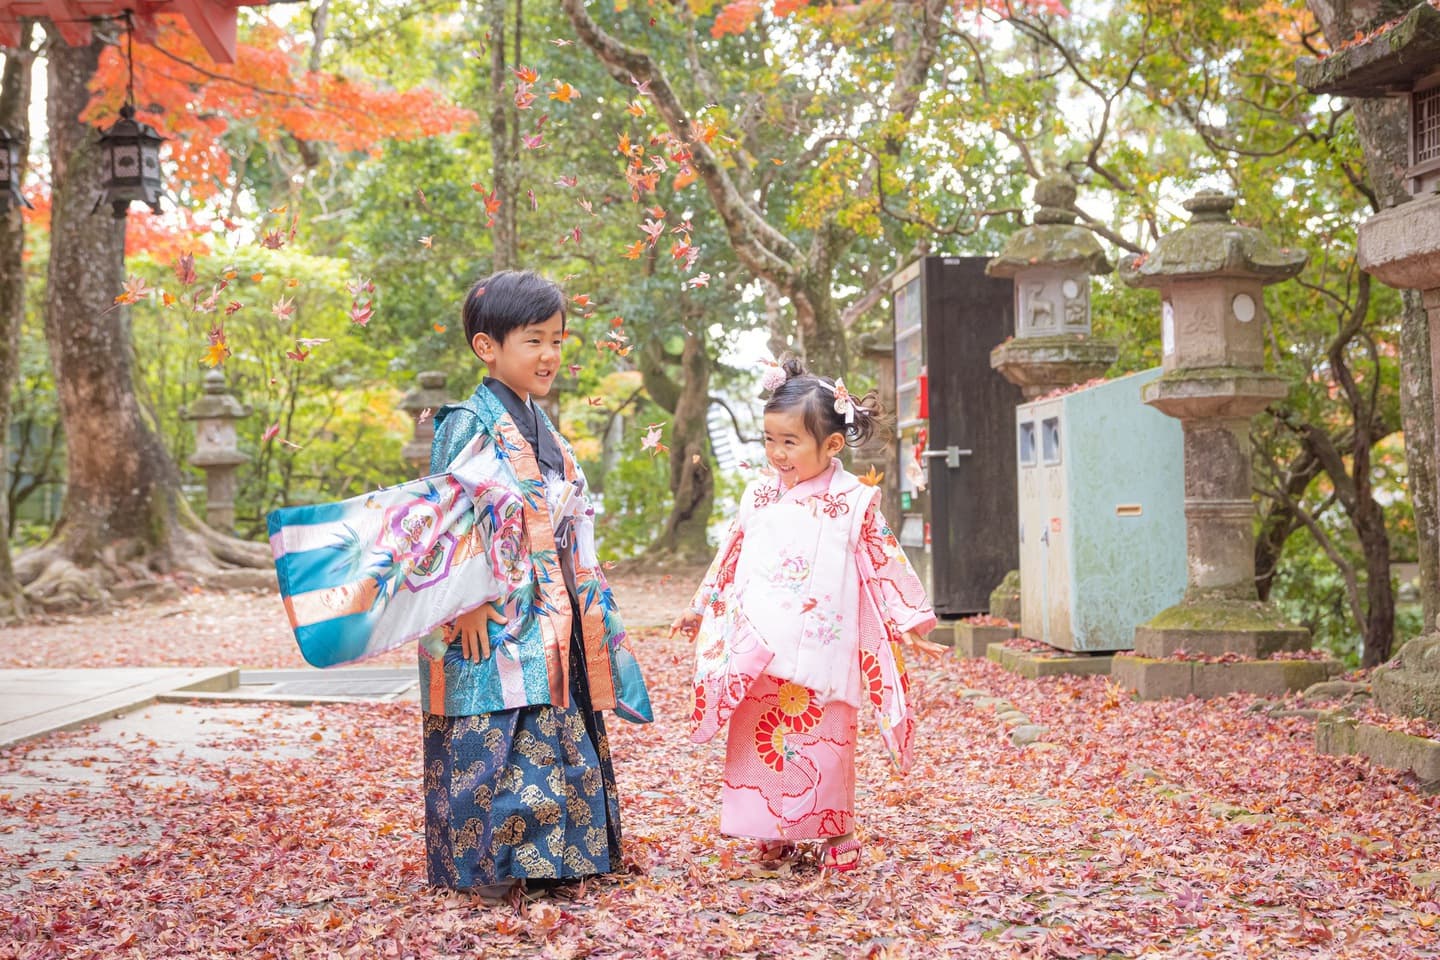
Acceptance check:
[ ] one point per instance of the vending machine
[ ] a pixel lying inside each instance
(955, 419)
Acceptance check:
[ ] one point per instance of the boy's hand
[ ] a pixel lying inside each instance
(473, 628)
(687, 623)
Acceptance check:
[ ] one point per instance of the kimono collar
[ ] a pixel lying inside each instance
(532, 427)
(834, 479)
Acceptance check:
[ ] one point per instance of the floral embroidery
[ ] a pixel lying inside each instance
(870, 671)
(698, 713)
(770, 739)
(766, 495)
(833, 504)
(798, 704)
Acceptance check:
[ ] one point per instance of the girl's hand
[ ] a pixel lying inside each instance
(473, 628)
(687, 623)
(925, 646)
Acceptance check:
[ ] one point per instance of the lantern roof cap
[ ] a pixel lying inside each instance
(1053, 240)
(1212, 246)
(217, 403)
(1388, 60)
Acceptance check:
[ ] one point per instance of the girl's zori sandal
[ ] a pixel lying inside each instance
(841, 857)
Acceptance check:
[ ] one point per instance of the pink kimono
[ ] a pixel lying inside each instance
(802, 610)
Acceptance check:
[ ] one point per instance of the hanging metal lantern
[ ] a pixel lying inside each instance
(130, 164)
(10, 171)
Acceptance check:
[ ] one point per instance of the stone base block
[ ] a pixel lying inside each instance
(1005, 600)
(1409, 685)
(1154, 679)
(1035, 665)
(1215, 627)
(974, 641)
(1340, 736)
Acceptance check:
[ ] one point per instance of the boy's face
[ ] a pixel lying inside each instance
(528, 359)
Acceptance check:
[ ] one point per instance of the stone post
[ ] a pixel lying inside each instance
(217, 449)
(1211, 277)
(421, 401)
(1051, 262)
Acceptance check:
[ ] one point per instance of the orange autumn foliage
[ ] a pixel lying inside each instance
(193, 101)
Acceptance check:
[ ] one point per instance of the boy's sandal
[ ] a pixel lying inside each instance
(834, 857)
(770, 851)
(507, 893)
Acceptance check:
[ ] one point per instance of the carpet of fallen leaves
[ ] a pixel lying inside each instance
(1177, 829)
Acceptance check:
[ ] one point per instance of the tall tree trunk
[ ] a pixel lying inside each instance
(692, 479)
(504, 137)
(122, 513)
(14, 117)
(1382, 124)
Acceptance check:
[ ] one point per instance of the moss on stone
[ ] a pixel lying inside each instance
(1228, 615)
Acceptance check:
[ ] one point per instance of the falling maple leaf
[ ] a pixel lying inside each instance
(439, 327)
(185, 269)
(567, 181)
(594, 401)
(651, 440)
(428, 242)
(283, 307)
(564, 92)
(534, 142)
(635, 250)
(700, 280)
(297, 355)
(134, 289)
(527, 75)
(561, 43)
(871, 478)
(523, 97)
(273, 239)
(360, 313)
(270, 432)
(636, 108)
(311, 341)
(257, 277)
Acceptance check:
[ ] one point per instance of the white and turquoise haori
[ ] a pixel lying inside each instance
(373, 572)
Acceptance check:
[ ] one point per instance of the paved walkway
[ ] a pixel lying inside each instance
(36, 702)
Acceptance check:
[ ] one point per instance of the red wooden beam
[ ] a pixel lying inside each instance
(213, 22)
(72, 22)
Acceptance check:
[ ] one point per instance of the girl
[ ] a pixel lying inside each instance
(797, 625)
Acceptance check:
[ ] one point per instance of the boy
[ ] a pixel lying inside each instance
(498, 545)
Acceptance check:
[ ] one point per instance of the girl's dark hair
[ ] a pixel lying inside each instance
(505, 301)
(815, 398)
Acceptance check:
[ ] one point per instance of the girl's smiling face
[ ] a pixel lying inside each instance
(793, 450)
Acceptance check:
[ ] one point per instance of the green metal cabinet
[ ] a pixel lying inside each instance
(1102, 515)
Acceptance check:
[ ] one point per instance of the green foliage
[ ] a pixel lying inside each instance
(630, 521)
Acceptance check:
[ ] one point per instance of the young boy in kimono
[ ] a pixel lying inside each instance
(797, 625)
(497, 548)
(519, 788)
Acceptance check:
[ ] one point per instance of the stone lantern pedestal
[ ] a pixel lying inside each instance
(217, 450)
(428, 394)
(1211, 276)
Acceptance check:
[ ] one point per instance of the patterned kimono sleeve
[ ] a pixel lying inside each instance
(722, 568)
(886, 571)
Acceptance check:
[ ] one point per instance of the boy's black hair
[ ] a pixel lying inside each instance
(505, 301)
(815, 398)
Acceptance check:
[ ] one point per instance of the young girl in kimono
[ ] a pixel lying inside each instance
(798, 625)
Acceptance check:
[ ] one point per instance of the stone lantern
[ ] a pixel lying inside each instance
(421, 401)
(1051, 262)
(1211, 276)
(1399, 246)
(216, 449)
